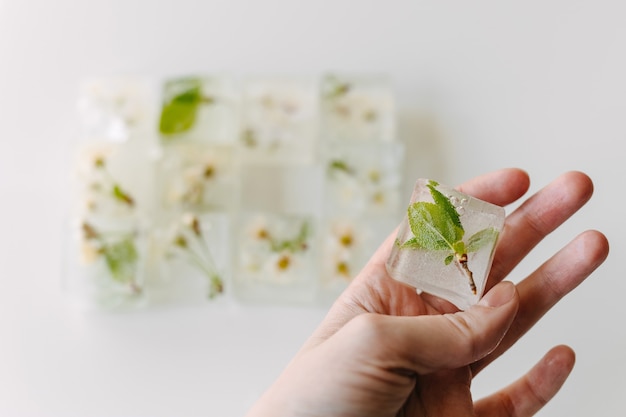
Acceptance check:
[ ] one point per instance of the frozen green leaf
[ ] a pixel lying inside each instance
(444, 203)
(120, 258)
(122, 195)
(432, 226)
(337, 165)
(336, 88)
(459, 247)
(411, 243)
(482, 239)
(179, 112)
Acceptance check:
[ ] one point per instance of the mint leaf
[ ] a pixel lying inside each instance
(433, 227)
(411, 243)
(179, 112)
(445, 204)
(481, 239)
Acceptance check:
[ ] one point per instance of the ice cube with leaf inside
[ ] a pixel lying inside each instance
(446, 243)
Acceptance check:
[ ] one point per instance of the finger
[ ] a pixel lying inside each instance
(445, 393)
(500, 187)
(551, 282)
(527, 395)
(424, 344)
(536, 218)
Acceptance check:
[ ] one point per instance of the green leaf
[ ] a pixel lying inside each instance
(449, 259)
(481, 239)
(411, 243)
(122, 195)
(339, 165)
(179, 112)
(120, 258)
(298, 244)
(459, 247)
(444, 202)
(433, 227)
(336, 88)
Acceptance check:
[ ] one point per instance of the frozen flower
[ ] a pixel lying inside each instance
(356, 108)
(89, 252)
(93, 159)
(383, 198)
(338, 266)
(342, 269)
(344, 235)
(374, 175)
(284, 262)
(378, 197)
(192, 222)
(100, 189)
(282, 267)
(258, 230)
(191, 186)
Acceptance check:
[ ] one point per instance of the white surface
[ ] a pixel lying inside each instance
(481, 85)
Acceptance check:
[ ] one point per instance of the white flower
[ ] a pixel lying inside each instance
(92, 160)
(259, 230)
(89, 252)
(283, 267)
(344, 235)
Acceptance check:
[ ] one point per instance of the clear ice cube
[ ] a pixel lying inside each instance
(200, 109)
(357, 108)
(279, 119)
(445, 244)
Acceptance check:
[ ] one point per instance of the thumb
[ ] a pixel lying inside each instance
(425, 344)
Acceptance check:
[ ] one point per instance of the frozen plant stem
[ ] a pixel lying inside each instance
(201, 258)
(116, 191)
(461, 262)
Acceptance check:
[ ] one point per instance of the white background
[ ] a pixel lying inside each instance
(480, 84)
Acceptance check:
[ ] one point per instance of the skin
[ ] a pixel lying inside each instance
(383, 350)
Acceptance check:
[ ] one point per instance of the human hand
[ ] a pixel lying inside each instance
(383, 350)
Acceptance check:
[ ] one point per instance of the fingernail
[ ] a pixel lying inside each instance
(498, 295)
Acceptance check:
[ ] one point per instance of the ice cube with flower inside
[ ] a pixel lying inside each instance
(100, 192)
(275, 249)
(188, 243)
(114, 107)
(110, 251)
(278, 113)
(357, 108)
(363, 179)
(344, 249)
(198, 176)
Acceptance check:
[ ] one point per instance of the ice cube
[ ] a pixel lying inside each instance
(279, 119)
(199, 109)
(445, 244)
(357, 108)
